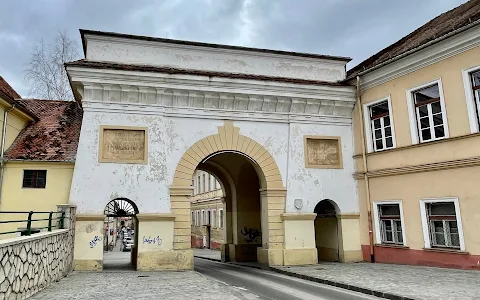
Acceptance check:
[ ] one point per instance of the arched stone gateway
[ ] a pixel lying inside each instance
(272, 193)
(279, 138)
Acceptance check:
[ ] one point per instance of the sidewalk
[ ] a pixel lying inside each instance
(385, 280)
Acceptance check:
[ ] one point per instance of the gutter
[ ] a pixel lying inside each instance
(365, 176)
(427, 44)
(2, 147)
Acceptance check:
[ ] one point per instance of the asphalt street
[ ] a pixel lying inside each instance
(269, 285)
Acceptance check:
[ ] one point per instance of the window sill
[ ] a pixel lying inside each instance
(446, 250)
(392, 246)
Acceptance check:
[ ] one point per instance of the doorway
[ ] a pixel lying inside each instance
(120, 237)
(326, 231)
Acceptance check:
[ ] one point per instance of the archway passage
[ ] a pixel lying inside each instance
(327, 231)
(212, 152)
(240, 219)
(120, 239)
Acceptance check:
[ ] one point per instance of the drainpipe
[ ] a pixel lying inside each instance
(365, 176)
(2, 147)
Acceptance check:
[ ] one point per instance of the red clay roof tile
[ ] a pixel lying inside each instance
(53, 137)
(444, 24)
(7, 89)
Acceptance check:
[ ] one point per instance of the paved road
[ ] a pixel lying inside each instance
(269, 285)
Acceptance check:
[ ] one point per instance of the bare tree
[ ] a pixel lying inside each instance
(45, 72)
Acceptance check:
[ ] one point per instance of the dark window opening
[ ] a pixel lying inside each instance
(34, 179)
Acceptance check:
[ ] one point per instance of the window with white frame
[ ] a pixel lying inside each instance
(209, 180)
(214, 218)
(203, 218)
(197, 220)
(475, 82)
(442, 224)
(198, 185)
(209, 217)
(220, 218)
(203, 183)
(389, 224)
(193, 218)
(381, 125)
(430, 116)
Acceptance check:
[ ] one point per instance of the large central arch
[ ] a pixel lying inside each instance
(272, 190)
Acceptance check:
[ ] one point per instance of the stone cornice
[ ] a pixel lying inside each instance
(444, 165)
(435, 53)
(218, 114)
(196, 92)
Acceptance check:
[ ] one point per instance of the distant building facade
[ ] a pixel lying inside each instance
(208, 212)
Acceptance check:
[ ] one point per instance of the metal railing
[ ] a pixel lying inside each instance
(31, 218)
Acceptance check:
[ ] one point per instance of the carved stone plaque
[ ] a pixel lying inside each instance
(323, 152)
(123, 144)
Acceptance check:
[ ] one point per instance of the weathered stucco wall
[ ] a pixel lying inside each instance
(143, 52)
(95, 184)
(30, 264)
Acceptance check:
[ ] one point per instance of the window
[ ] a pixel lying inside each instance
(389, 225)
(198, 185)
(203, 183)
(193, 218)
(381, 126)
(214, 218)
(380, 133)
(209, 179)
(209, 217)
(441, 224)
(197, 220)
(221, 218)
(429, 117)
(471, 80)
(203, 218)
(34, 179)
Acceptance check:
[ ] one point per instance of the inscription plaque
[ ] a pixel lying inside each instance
(323, 152)
(123, 144)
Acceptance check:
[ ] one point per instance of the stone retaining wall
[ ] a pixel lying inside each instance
(31, 263)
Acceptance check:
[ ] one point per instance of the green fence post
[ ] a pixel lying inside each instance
(29, 223)
(62, 218)
(50, 221)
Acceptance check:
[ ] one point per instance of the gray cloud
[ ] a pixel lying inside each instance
(354, 28)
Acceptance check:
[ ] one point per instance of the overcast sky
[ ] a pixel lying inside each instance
(353, 28)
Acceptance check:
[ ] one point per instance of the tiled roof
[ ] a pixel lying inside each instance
(446, 23)
(168, 70)
(7, 89)
(83, 32)
(53, 137)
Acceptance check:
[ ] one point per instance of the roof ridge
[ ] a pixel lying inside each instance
(439, 31)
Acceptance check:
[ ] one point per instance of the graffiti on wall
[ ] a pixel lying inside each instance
(251, 235)
(94, 241)
(152, 241)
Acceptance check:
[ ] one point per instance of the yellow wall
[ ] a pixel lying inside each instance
(461, 182)
(16, 198)
(15, 124)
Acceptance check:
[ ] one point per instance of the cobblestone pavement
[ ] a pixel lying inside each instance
(140, 285)
(416, 282)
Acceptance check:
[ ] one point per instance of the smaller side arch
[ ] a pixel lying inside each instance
(327, 231)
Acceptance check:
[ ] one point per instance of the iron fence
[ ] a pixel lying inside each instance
(31, 218)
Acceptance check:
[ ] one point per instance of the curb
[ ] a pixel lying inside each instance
(342, 285)
(320, 280)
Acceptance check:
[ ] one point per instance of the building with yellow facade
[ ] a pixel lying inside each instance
(38, 156)
(417, 145)
(208, 212)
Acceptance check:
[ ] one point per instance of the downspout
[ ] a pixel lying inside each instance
(2, 147)
(365, 171)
